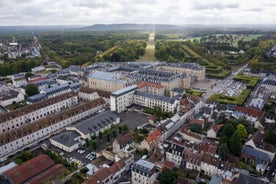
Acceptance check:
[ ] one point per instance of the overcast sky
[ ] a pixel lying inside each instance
(88, 12)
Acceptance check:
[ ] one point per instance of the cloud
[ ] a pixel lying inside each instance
(216, 5)
(87, 12)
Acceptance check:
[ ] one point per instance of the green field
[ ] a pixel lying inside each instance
(251, 37)
(150, 50)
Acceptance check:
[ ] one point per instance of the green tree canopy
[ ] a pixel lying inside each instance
(31, 89)
(235, 144)
(242, 131)
(167, 177)
(228, 130)
(223, 151)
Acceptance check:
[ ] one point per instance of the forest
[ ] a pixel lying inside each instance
(218, 50)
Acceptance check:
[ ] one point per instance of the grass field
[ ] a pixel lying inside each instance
(108, 51)
(150, 50)
(251, 37)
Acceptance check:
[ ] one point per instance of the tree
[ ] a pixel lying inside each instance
(101, 135)
(125, 127)
(113, 133)
(95, 144)
(242, 131)
(108, 137)
(28, 74)
(223, 151)
(31, 89)
(167, 176)
(196, 128)
(228, 130)
(235, 144)
(120, 129)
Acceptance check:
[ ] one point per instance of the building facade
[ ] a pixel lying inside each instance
(122, 98)
(143, 172)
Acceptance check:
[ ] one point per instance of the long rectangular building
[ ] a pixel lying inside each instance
(191, 69)
(30, 113)
(145, 99)
(29, 134)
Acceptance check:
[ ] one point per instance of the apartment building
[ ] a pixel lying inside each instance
(122, 98)
(174, 153)
(149, 100)
(151, 87)
(191, 69)
(123, 143)
(143, 172)
(29, 134)
(19, 80)
(30, 113)
(108, 81)
(86, 93)
(168, 80)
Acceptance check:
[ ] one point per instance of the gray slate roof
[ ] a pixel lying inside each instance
(260, 156)
(66, 138)
(156, 97)
(97, 122)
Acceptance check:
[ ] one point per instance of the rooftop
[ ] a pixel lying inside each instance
(109, 76)
(33, 107)
(124, 90)
(28, 169)
(47, 121)
(97, 122)
(156, 97)
(66, 138)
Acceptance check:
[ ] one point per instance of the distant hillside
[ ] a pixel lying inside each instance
(38, 28)
(119, 27)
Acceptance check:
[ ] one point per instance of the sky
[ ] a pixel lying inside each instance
(178, 12)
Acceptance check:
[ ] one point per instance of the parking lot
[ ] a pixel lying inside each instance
(133, 119)
(232, 88)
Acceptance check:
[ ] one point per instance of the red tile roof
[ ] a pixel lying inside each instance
(208, 148)
(120, 164)
(198, 121)
(168, 164)
(103, 174)
(92, 180)
(113, 168)
(153, 137)
(124, 138)
(29, 169)
(48, 175)
(101, 93)
(251, 111)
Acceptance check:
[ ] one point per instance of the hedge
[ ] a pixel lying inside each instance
(239, 100)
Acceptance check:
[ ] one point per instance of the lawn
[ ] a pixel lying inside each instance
(238, 100)
(194, 92)
(150, 50)
(250, 37)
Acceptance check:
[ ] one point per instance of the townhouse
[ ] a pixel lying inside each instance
(108, 175)
(30, 113)
(174, 153)
(150, 141)
(143, 172)
(123, 143)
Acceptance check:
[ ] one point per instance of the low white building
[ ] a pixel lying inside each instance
(12, 97)
(67, 141)
(94, 125)
(122, 98)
